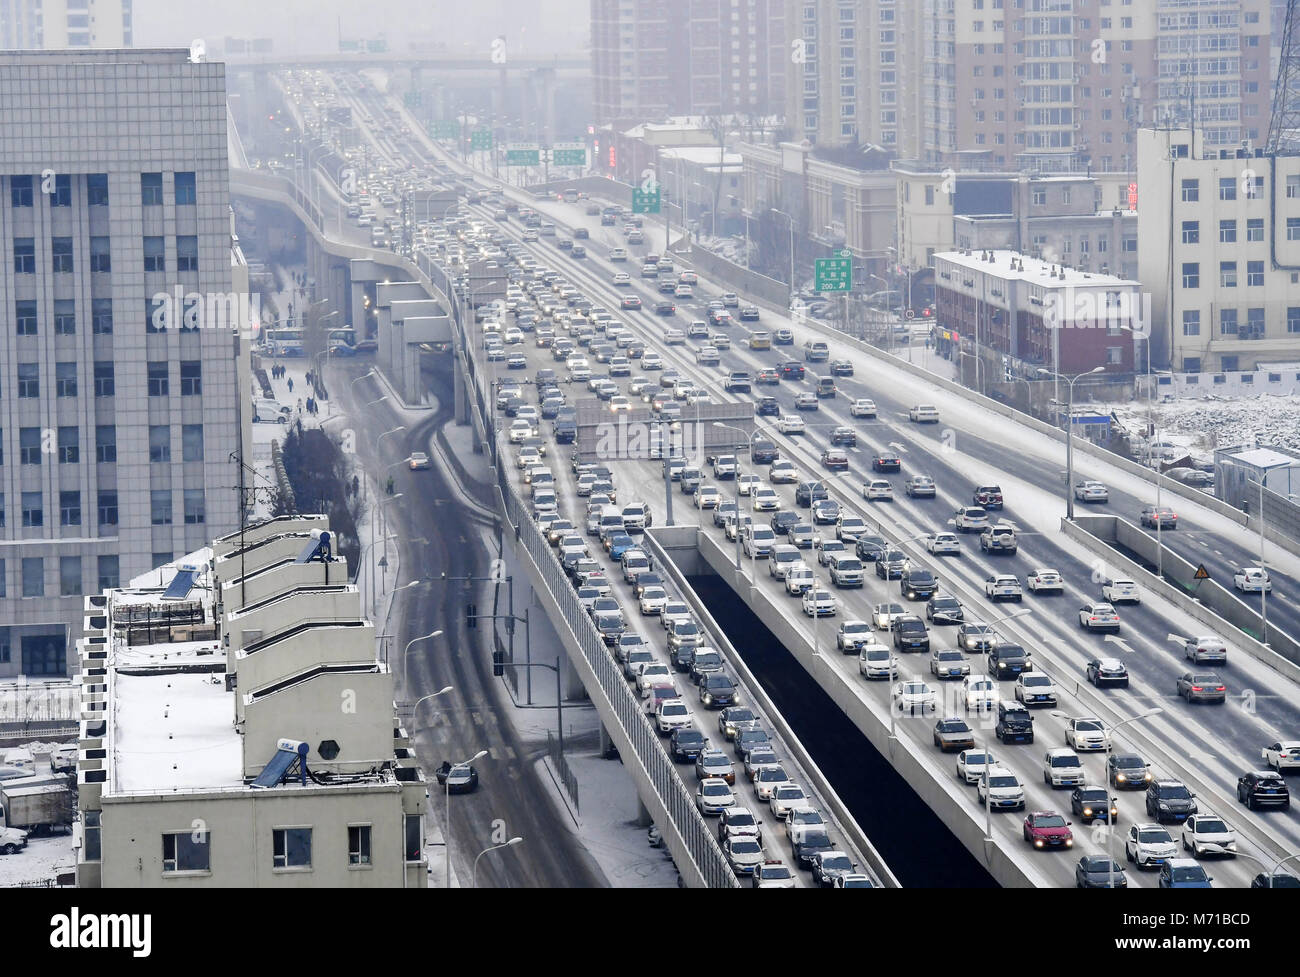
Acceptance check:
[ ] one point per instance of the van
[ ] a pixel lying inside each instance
(825, 386)
(270, 411)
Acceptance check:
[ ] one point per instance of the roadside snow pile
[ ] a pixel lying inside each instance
(1210, 422)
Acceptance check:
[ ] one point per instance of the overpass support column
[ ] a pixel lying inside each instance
(605, 741)
(460, 390)
(643, 818)
(358, 308)
(573, 688)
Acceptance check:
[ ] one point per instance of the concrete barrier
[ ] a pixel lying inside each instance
(1213, 605)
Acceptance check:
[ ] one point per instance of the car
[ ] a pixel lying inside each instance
(970, 519)
(948, 663)
(1091, 492)
(1103, 672)
(806, 401)
(1276, 880)
(713, 796)
(790, 424)
(842, 368)
(869, 546)
(786, 797)
(1149, 844)
(886, 462)
(1206, 649)
(460, 778)
(1003, 586)
(772, 874)
(1121, 591)
(1087, 733)
(976, 637)
(1127, 771)
(1099, 872)
(923, 414)
(862, 407)
(875, 661)
(852, 635)
(820, 603)
(1158, 517)
(953, 733)
(826, 512)
(736, 821)
(1092, 803)
(759, 757)
(909, 633)
(987, 496)
(736, 719)
(1201, 687)
(783, 337)
(807, 842)
(1015, 724)
(1099, 617)
(1208, 834)
(1252, 580)
(1043, 580)
(1282, 755)
(717, 690)
(941, 543)
(1263, 788)
(630, 302)
(764, 498)
(767, 779)
(972, 763)
(1184, 873)
(999, 788)
(877, 490)
(890, 564)
(1063, 768)
(1047, 829)
(998, 539)
(800, 535)
(830, 866)
(882, 615)
(783, 472)
(917, 583)
(920, 487)
(1035, 689)
(944, 609)
(670, 715)
(913, 696)
(744, 855)
(844, 437)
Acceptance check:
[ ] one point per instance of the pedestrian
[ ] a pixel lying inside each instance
(300, 406)
(389, 487)
(291, 385)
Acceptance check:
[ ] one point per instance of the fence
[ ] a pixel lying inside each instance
(561, 763)
(40, 703)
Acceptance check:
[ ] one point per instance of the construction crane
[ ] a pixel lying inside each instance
(1284, 127)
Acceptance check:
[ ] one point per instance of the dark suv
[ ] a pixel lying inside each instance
(917, 584)
(762, 451)
(1008, 661)
(1015, 724)
(1128, 771)
(910, 633)
(809, 492)
(791, 371)
(1170, 800)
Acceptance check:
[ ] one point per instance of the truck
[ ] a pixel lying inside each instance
(36, 805)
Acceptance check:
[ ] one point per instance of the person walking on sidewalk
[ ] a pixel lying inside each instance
(291, 385)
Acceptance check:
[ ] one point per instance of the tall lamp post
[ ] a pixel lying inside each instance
(423, 637)
(1069, 431)
(512, 841)
(446, 841)
(790, 220)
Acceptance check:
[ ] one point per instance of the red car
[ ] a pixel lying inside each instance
(631, 302)
(1047, 829)
(835, 460)
(886, 463)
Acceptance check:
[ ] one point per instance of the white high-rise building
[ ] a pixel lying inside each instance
(57, 24)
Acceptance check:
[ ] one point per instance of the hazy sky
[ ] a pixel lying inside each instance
(310, 26)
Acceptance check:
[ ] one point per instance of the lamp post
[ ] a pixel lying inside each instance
(512, 841)
(426, 698)
(1069, 432)
(791, 222)
(446, 841)
(373, 402)
(1272, 874)
(369, 373)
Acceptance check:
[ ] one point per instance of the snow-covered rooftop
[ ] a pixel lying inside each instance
(1264, 458)
(1035, 271)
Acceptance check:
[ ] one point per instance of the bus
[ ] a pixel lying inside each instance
(343, 341)
(282, 342)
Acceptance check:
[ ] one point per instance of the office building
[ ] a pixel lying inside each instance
(119, 415)
(56, 24)
(237, 729)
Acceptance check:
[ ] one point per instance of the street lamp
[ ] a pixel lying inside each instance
(361, 561)
(512, 841)
(369, 373)
(380, 440)
(423, 637)
(791, 222)
(373, 402)
(1069, 432)
(446, 841)
(425, 698)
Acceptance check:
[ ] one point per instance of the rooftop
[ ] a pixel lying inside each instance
(1034, 271)
(1264, 458)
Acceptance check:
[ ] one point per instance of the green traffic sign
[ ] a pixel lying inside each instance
(833, 274)
(569, 157)
(480, 139)
(523, 157)
(446, 130)
(645, 201)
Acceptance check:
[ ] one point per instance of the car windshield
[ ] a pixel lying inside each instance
(949, 656)
(1176, 793)
(1037, 680)
(715, 761)
(856, 627)
(976, 758)
(772, 775)
(1092, 796)
(911, 626)
(1004, 782)
(1049, 821)
(789, 793)
(1128, 762)
(953, 726)
(689, 735)
(1069, 760)
(839, 863)
(676, 710)
(740, 716)
(945, 603)
(1210, 826)
(1154, 836)
(1188, 873)
(745, 848)
(921, 576)
(776, 872)
(893, 556)
(817, 839)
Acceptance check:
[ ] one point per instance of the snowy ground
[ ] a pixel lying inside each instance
(1203, 424)
(39, 863)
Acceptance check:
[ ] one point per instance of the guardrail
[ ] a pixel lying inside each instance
(562, 768)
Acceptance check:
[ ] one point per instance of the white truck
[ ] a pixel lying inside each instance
(35, 805)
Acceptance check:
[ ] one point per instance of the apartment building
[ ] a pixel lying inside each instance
(56, 24)
(122, 406)
(237, 729)
(654, 58)
(1219, 251)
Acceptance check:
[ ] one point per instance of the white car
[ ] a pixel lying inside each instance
(787, 797)
(1149, 844)
(1091, 492)
(970, 519)
(418, 461)
(980, 693)
(622, 278)
(1003, 586)
(674, 610)
(649, 673)
(520, 431)
(790, 424)
(882, 615)
(877, 490)
(707, 497)
(1121, 591)
(998, 787)
(765, 499)
(618, 254)
(937, 544)
(877, 661)
(799, 579)
(1063, 768)
(773, 874)
(820, 603)
(849, 528)
(1283, 755)
(853, 635)
(1098, 617)
(1044, 580)
(914, 696)
(1087, 733)
(971, 764)
(653, 600)
(783, 473)
(1035, 689)
(923, 414)
(862, 407)
(1252, 580)
(745, 855)
(1208, 834)
(672, 714)
(747, 483)
(714, 796)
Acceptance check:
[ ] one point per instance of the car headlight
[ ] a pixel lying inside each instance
(1120, 776)
(1087, 812)
(1069, 842)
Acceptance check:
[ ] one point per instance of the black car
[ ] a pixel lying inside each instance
(749, 739)
(782, 521)
(1127, 771)
(749, 314)
(885, 462)
(1015, 724)
(1170, 800)
(910, 633)
(763, 451)
(717, 690)
(791, 371)
(736, 718)
(1008, 661)
(686, 744)
(704, 662)
(890, 563)
(767, 407)
(844, 437)
(806, 493)
(1279, 880)
(581, 233)
(645, 580)
(917, 584)
(869, 548)
(1088, 804)
(1108, 671)
(1099, 872)
(943, 609)
(460, 779)
(841, 368)
(808, 843)
(681, 657)
(1263, 788)
(665, 308)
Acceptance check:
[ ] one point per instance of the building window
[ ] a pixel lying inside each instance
(69, 508)
(1228, 364)
(291, 847)
(1191, 322)
(65, 317)
(186, 851)
(1228, 274)
(160, 507)
(160, 443)
(1191, 191)
(1227, 188)
(1191, 364)
(70, 573)
(1254, 324)
(158, 385)
(62, 196)
(29, 446)
(1191, 274)
(104, 386)
(195, 509)
(2, 510)
(414, 840)
(20, 191)
(65, 379)
(61, 248)
(106, 444)
(33, 511)
(187, 253)
(192, 442)
(109, 574)
(1130, 244)
(101, 317)
(1039, 198)
(160, 559)
(1254, 229)
(1227, 322)
(1293, 228)
(69, 445)
(1293, 186)
(1254, 274)
(33, 577)
(155, 254)
(24, 256)
(1227, 232)
(185, 192)
(1114, 355)
(29, 380)
(1293, 318)
(100, 254)
(97, 189)
(151, 194)
(191, 378)
(155, 315)
(107, 507)
(358, 844)
(1191, 232)
(25, 317)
